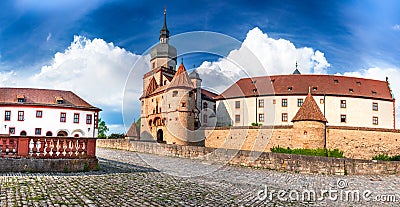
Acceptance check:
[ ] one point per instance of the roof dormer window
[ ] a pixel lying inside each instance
(336, 81)
(315, 88)
(290, 88)
(59, 100)
(374, 93)
(358, 83)
(21, 98)
(351, 90)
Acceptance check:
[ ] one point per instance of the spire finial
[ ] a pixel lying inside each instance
(309, 89)
(164, 32)
(182, 60)
(296, 64)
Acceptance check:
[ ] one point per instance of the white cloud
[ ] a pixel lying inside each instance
(6, 78)
(380, 74)
(261, 55)
(396, 27)
(93, 69)
(48, 37)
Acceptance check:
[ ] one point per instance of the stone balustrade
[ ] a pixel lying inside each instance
(47, 147)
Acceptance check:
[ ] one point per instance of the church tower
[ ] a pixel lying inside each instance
(168, 100)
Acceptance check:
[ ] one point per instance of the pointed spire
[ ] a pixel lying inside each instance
(181, 78)
(164, 32)
(309, 111)
(296, 72)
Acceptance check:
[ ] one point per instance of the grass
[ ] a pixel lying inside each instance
(312, 152)
(386, 157)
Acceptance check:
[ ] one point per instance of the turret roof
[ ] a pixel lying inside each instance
(309, 111)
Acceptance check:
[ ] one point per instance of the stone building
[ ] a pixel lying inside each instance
(173, 103)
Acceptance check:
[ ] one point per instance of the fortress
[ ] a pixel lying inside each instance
(355, 115)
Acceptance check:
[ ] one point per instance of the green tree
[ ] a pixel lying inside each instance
(103, 129)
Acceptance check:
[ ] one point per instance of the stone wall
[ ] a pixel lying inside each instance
(267, 160)
(356, 142)
(47, 165)
(364, 143)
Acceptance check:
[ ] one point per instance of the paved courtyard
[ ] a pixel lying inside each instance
(131, 179)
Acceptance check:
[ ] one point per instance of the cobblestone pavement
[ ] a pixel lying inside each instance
(126, 179)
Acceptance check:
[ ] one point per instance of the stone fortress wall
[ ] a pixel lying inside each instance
(356, 142)
(267, 160)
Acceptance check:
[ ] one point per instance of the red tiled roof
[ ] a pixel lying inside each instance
(152, 86)
(46, 97)
(309, 111)
(208, 94)
(299, 84)
(181, 78)
(132, 131)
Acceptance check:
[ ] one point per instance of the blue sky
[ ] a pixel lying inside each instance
(360, 38)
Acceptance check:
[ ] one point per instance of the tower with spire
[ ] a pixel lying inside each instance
(169, 107)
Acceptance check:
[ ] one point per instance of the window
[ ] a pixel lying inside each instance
(205, 105)
(321, 101)
(374, 93)
(375, 120)
(205, 118)
(38, 131)
(174, 93)
(76, 118)
(154, 65)
(261, 117)
(39, 114)
(7, 116)
(375, 106)
(261, 103)
(315, 88)
(351, 90)
(11, 130)
(49, 134)
(63, 117)
(183, 104)
(342, 103)
(274, 101)
(343, 118)
(89, 119)
(284, 102)
(237, 118)
(21, 116)
(237, 104)
(290, 88)
(284, 117)
(21, 100)
(336, 81)
(60, 101)
(358, 83)
(299, 102)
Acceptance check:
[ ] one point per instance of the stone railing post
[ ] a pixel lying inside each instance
(91, 147)
(23, 147)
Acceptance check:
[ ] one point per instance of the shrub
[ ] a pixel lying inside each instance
(256, 124)
(313, 152)
(386, 157)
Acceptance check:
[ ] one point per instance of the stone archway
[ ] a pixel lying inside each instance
(160, 136)
(62, 134)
